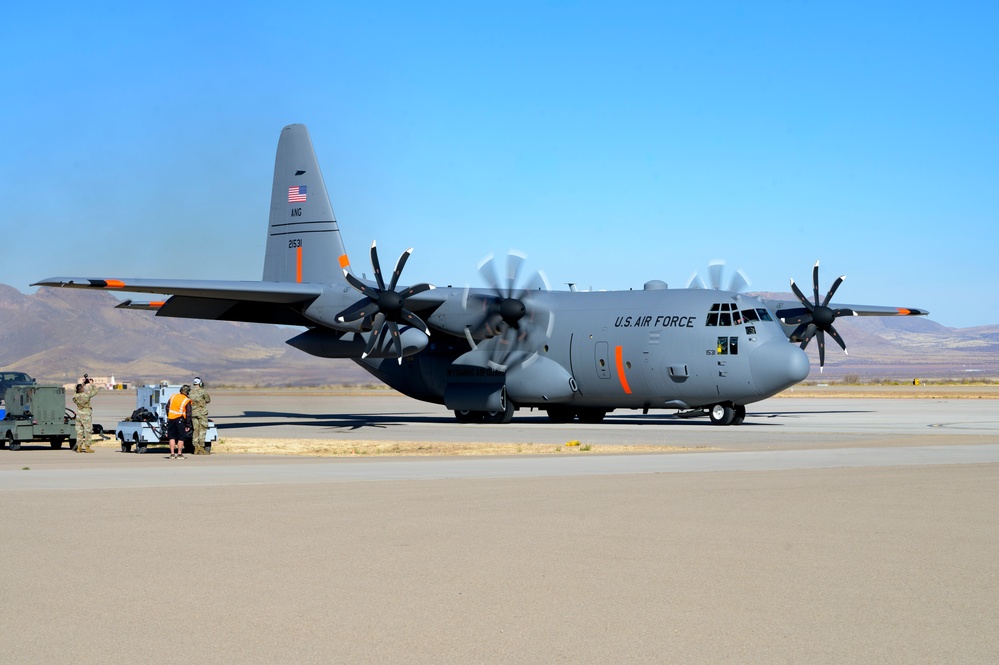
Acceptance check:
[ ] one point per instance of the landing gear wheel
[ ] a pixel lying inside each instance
(722, 414)
(740, 414)
(467, 416)
(500, 417)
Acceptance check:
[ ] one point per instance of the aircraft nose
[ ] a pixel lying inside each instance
(777, 365)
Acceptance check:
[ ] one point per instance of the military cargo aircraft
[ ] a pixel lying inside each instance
(516, 344)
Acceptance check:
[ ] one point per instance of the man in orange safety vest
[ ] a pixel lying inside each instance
(179, 421)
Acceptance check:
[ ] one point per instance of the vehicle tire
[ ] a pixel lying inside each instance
(740, 414)
(125, 446)
(500, 417)
(140, 448)
(8, 439)
(11, 443)
(561, 414)
(722, 414)
(56, 442)
(591, 416)
(463, 416)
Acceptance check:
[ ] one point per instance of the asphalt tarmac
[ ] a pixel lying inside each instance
(821, 531)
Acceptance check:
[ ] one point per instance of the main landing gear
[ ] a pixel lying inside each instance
(727, 413)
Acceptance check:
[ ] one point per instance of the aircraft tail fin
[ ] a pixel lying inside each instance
(303, 238)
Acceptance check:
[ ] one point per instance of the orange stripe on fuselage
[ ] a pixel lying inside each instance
(620, 370)
(157, 303)
(298, 264)
(114, 284)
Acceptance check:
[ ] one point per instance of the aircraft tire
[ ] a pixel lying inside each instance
(500, 417)
(722, 414)
(740, 414)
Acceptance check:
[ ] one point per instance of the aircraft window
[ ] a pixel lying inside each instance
(764, 314)
(728, 346)
(750, 315)
(750, 330)
(712, 319)
(725, 319)
(736, 318)
(715, 307)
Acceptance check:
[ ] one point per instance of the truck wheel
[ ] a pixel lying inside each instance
(56, 443)
(125, 446)
(11, 443)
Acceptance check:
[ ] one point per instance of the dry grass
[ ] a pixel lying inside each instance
(329, 448)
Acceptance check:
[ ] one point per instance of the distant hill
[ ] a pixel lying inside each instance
(58, 334)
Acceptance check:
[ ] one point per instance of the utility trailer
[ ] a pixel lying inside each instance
(37, 413)
(147, 424)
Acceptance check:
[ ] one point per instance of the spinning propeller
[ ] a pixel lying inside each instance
(386, 306)
(818, 320)
(737, 283)
(514, 320)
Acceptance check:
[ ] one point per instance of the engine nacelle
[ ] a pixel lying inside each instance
(332, 344)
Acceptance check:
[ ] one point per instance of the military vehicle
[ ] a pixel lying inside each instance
(147, 424)
(36, 413)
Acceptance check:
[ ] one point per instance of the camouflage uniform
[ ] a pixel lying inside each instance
(199, 415)
(84, 418)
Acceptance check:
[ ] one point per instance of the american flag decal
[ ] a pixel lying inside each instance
(296, 194)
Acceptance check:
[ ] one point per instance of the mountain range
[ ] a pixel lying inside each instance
(57, 335)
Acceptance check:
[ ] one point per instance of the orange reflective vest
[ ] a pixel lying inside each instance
(178, 406)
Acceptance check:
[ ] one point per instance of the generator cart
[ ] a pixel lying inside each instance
(36, 413)
(147, 424)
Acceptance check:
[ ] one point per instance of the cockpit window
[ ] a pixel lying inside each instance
(727, 314)
(764, 314)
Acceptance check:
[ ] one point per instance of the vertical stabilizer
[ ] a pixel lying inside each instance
(303, 239)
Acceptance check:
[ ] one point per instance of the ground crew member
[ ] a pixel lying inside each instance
(199, 415)
(84, 414)
(178, 421)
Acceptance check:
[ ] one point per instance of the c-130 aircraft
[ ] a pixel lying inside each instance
(486, 352)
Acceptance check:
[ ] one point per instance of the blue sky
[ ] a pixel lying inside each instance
(612, 143)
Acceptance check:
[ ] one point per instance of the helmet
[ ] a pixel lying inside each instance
(186, 389)
(197, 380)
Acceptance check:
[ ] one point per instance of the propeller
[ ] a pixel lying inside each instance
(514, 321)
(738, 282)
(818, 320)
(385, 306)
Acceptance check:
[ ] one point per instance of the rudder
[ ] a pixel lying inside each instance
(303, 238)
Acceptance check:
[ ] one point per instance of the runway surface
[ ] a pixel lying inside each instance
(819, 531)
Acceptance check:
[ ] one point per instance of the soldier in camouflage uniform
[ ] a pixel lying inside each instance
(84, 415)
(199, 415)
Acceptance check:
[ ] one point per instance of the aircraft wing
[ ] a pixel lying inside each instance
(225, 300)
(786, 309)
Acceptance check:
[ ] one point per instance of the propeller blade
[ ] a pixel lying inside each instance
(361, 286)
(822, 349)
(376, 330)
(800, 330)
(695, 282)
(415, 289)
(715, 269)
(398, 268)
(488, 272)
(815, 281)
(377, 267)
(739, 282)
(514, 261)
(415, 321)
(832, 289)
(358, 310)
(839, 340)
(395, 340)
(801, 296)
